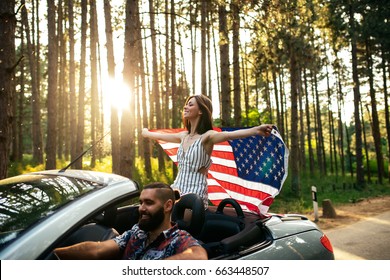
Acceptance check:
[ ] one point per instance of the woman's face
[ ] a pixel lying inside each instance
(191, 109)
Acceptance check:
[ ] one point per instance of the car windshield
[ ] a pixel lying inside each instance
(26, 199)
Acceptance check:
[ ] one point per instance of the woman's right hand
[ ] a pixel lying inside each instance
(144, 132)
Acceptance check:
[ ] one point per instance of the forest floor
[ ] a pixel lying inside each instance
(353, 212)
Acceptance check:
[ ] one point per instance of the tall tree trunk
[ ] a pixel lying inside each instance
(72, 82)
(61, 123)
(215, 48)
(236, 63)
(330, 125)
(340, 105)
(279, 118)
(166, 98)
(360, 183)
(245, 78)
(308, 126)
(295, 179)
(283, 111)
(349, 150)
(81, 99)
(203, 50)
(20, 101)
(143, 141)
(320, 134)
(51, 142)
(376, 133)
(225, 66)
(176, 108)
(129, 72)
(94, 82)
(37, 142)
(387, 112)
(7, 73)
(365, 145)
(155, 82)
(115, 151)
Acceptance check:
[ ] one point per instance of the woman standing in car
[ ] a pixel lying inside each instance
(197, 143)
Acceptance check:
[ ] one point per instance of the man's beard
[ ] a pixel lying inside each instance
(153, 222)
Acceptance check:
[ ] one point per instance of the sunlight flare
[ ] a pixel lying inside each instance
(116, 94)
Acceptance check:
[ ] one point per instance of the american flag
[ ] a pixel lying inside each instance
(251, 170)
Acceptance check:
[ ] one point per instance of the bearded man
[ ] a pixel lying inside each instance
(155, 237)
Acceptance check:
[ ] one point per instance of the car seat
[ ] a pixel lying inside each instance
(194, 203)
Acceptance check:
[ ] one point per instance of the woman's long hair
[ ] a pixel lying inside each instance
(206, 119)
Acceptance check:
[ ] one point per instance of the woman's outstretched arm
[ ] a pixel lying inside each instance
(262, 130)
(168, 137)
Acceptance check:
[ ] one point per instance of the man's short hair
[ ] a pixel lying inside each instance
(164, 191)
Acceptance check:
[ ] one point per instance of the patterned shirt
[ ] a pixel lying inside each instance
(132, 243)
(189, 179)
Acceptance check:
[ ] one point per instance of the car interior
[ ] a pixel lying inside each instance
(225, 231)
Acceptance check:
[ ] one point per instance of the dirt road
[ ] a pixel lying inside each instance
(354, 212)
(361, 230)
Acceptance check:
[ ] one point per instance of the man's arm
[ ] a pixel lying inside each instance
(192, 253)
(89, 250)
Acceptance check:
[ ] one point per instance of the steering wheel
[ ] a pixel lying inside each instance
(232, 202)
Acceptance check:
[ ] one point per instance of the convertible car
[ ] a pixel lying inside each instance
(44, 210)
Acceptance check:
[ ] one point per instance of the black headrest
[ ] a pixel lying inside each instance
(193, 202)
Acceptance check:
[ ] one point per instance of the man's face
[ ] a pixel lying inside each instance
(151, 210)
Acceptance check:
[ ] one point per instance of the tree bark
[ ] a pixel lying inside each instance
(295, 179)
(37, 141)
(52, 87)
(376, 133)
(94, 83)
(156, 96)
(115, 151)
(81, 97)
(387, 112)
(225, 67)
(7, 74)
(72, 83)
(356, 92)
(61, 105)
(129, 71)
(203, 49)
(236, 64)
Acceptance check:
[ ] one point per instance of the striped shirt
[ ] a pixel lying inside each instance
(189, 179)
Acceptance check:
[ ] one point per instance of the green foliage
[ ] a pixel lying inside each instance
(102, 165)
(25, 166)
(340, 190)
(165, 176)
(255, 117)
